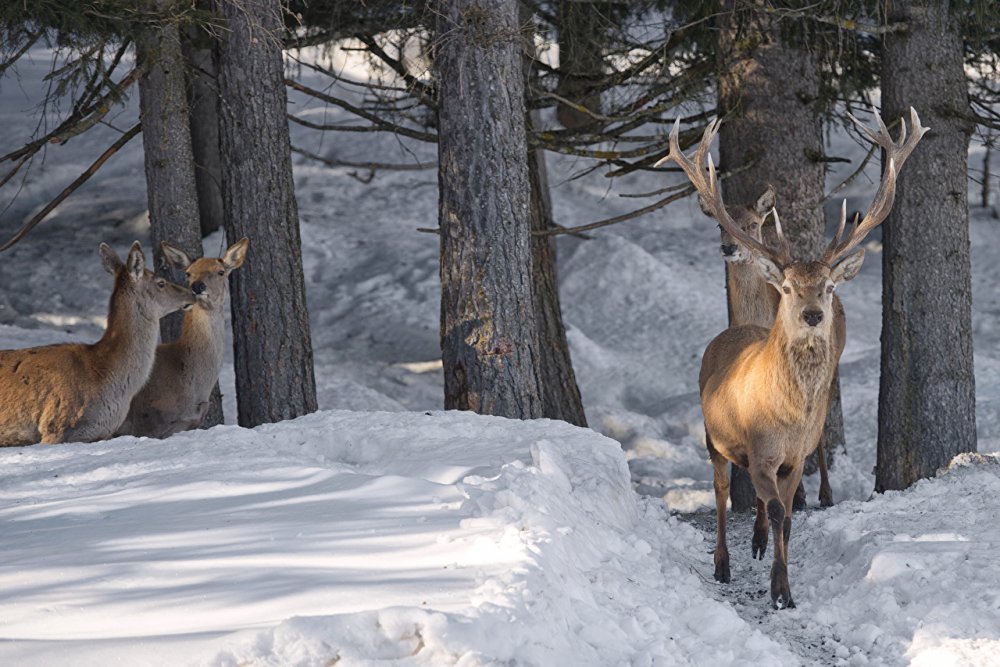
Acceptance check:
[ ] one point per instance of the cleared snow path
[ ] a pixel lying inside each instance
(907, 578)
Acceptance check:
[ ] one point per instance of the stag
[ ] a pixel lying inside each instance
(753, 301)
(765, 392)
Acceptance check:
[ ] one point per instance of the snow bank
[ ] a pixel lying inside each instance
(419, 538)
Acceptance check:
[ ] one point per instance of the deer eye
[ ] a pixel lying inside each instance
(829, 289)
(161, 283)
(754, 227)
(222, 272)
(786, 289)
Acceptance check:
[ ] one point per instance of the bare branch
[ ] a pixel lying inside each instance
(372, 166)
(72, 187)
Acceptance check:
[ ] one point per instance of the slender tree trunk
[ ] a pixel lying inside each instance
(203, 99)
(166, 141)
(273, 350)
(769, 96)
(560, 393)
(927, 387)
(581, 59)
(489, 336)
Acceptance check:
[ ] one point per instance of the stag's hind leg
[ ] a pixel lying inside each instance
(720, 467)
(759, 544)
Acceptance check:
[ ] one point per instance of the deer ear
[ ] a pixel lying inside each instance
(135, 263)
(233, 259)
(110, 259)
(175, 256)
(848, 267)
(771, 272)
(766, 201)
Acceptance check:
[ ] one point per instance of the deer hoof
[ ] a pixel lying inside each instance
(799, 501)
(825, 498)
(781, 593)
(759, 544)
(722, 567)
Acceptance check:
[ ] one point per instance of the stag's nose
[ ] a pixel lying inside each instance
(198, 287)
(812, 317)
(728, 249)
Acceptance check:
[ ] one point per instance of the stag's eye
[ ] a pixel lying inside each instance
(161, 283)
(754, 227)
(829, 289)
(787, 289)
(222, 272)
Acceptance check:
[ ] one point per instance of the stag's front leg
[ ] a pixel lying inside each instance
(720, 468)
(766, 482)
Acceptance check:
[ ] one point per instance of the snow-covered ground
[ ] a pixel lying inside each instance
(426, 538)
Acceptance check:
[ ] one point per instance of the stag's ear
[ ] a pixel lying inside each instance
(175, 257)
(233, 259)
(766, 201)
(848, 267)
(110, 259)
(135, 263)
(771, 272)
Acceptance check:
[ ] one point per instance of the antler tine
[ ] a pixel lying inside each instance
(713, 196)
(896, 154)
(784, 250)
(708, 189)
(840, 228)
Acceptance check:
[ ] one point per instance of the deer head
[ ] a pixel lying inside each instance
(207, 275)
(151, 296)
(750, 219)
(806, 288)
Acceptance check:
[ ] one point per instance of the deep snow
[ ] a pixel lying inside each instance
(455, 539)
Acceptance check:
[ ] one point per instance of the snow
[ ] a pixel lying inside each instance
(382, 531)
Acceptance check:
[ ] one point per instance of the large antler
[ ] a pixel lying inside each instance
(896, 153)
(707, 187)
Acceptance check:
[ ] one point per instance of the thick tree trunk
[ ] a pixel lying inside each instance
(203, 100)
(166, 141)
(927, 388)
(489, 337)
(273, 350)
(768, 96)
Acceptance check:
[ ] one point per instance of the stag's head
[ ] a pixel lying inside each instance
(806, 287)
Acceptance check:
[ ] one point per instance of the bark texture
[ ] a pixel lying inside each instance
(171, 178)
(768, 96)
(489, 337)
(273, 350)
(203, 101)
(581, 59)
(927, 388)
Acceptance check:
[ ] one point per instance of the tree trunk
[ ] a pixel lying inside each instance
(273, 350)
(769, 96)
(927, 389)
(166, 141)
(489, 336)
(560, 393)
(581, 60)
(203, 99)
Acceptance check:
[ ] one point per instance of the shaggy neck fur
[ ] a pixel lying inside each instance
(806, 363)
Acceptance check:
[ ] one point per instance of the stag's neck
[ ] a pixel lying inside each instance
(804, 365)
(125, 353)
(752, 300)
